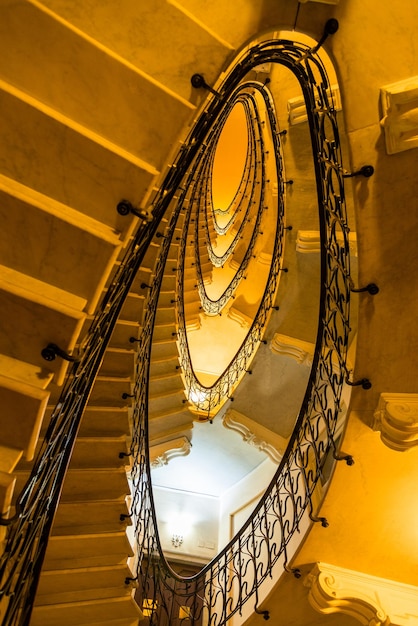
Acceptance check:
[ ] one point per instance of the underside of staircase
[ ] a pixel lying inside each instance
(89, 117)
(95, 100)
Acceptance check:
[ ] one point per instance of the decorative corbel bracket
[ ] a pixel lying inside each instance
(372, 601)
(396, 417)
(400, 114)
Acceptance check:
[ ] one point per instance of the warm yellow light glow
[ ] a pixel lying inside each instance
(180, 524)
(185, 612)
(148, 606)
(197, 396)
(230, 156)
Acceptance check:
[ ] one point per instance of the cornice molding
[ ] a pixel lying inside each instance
(372, 601)
(255, 435)
(396, 417)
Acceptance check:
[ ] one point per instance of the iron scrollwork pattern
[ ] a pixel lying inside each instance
(222, 587)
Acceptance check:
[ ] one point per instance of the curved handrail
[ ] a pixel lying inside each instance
(222, 587)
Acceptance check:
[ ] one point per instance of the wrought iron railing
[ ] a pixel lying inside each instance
(266, 541)
(222, 588)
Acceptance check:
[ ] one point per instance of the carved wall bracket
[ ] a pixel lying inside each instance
(400, 115)
(162, 453)
(256, 435)
(372, 601)
(396, 417)
(301, 351)
(309, 242)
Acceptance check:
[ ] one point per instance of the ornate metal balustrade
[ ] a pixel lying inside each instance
(265, 542)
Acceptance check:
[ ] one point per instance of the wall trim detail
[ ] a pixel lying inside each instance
(301, 351)
(396, 416)
(296, 106)
(400, 115)
(256, 435)
(372, 601)
(162, 453)
(309, 241)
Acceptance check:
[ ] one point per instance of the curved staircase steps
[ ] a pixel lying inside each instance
(46, 314)
(33, 132)
(94, 516)
(50, 229)
(83, 69)
(115, 611)
(91, 550)
(88, 119)
(80, 584)
(168, 61)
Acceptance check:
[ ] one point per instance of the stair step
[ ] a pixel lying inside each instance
(106, 421)
(118, 611)
(93, 452)
(108, 391)
(171, 382)
(166, 421)
(122, 332)
(80, 584)
(34, 133)
(22, 412)
(157, 60)
(78, 67)
(9, 458)
(98, 452)
(163, 349)
(118, 362)
(166, 315)
(53, 230)
(98, 484)
(166, 332)
(133, 308)
(143, 277)
(7, 488)
(74, 551)
(83, 484)
(46, 315)
(164, 367)
(90, 517)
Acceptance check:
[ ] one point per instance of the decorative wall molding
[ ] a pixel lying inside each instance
(296, 106)
(162, 453)
(372, 601)
(396, 417)
(256, 435)
(309, 241)
(301, 351)
(400, 114)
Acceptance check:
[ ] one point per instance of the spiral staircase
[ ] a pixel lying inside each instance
(94, 100)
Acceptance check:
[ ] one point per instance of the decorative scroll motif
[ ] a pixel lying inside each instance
(256, 435)
(370, 600)
(162, 453)
(400, 115)
(279, 521)
(396, 417)
(301, 351)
